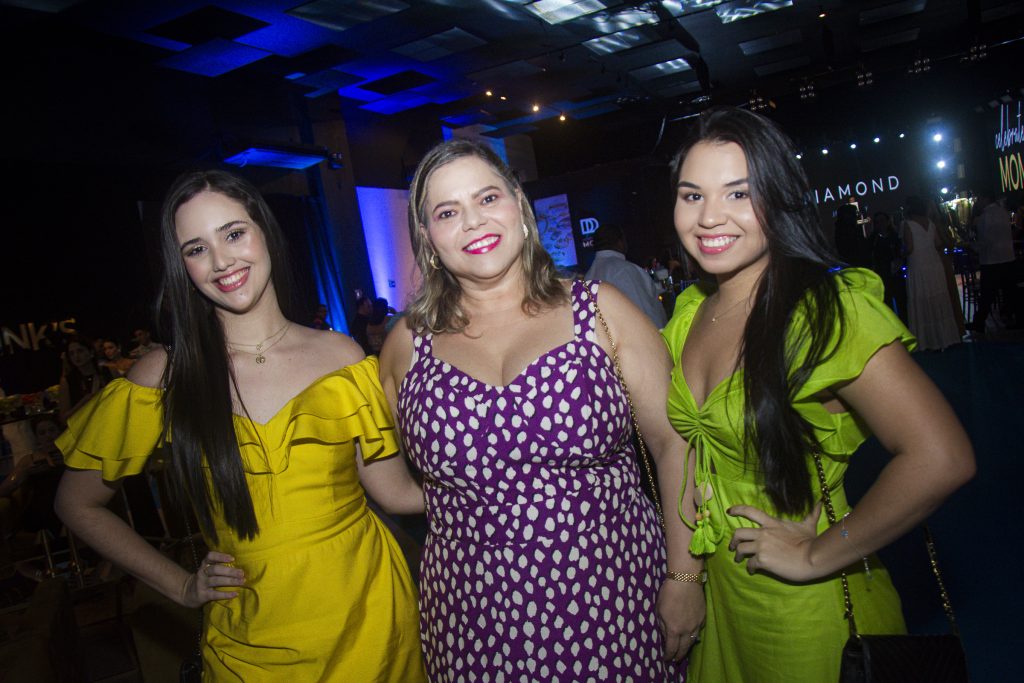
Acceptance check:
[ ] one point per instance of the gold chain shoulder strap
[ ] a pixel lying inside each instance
(933, 559)
(645, 457)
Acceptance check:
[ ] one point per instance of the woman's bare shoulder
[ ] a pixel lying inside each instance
(148, 371)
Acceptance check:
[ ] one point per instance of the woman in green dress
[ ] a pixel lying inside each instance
(778, 355)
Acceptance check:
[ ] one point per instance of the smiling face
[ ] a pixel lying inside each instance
(714, 214)
(473, 219)
(224, 251)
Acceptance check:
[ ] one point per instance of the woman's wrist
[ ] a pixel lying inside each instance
(699, 577)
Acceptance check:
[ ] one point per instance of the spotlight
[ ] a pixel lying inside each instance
(821, 12)
(940, 164)
(503, 98)
(877, 140)
(902, 135)
(799, 156)
(824, 150)
(561, 117)
(853, 145)
(756, 102)
(807, 91)
(864, 78)
(489, 93)
(944, 190)
(920, 65)
(536, 107)
(977, 52)
(937, 137)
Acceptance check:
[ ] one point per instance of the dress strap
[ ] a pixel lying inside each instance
(584, 294)
(422, 347)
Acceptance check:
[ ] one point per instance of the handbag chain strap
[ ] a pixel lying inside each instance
(830, 512)
(195, 568)
(645, 457)
(933, 559)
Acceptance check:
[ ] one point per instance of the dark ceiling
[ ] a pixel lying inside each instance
(433, 62)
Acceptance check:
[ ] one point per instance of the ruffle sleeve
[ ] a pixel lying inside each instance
(868, 326)
(674, 333)
(343, 406)
(116, 431)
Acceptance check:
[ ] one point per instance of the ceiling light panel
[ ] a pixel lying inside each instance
(440, 45)
(657, 70)
(617, 42)
(745, 9)
(560, 11)
(342, 15)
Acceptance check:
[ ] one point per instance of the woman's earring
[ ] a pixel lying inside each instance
(433, 261)
(526, 232)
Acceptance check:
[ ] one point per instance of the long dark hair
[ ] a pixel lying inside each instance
(797, 277)
(198, 378)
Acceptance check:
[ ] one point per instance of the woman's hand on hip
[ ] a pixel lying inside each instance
(214, 572)
(779, 547)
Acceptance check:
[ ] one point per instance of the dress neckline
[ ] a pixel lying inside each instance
(711, 395)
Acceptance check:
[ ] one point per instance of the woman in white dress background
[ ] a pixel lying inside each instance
(931, 316)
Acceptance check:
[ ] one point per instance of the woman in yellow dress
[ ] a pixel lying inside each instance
(273, 429)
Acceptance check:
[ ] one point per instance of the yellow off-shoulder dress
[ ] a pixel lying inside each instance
(328, 595)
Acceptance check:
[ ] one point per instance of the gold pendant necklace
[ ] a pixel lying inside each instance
(715, 318)
(261, 350)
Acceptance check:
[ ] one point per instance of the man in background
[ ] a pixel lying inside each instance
(610, 265)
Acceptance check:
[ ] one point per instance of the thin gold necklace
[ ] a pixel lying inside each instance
(261, 350)
(726, 312)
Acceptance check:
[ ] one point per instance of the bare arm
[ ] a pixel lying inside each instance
(81, 505)
(931, 458)
(646, 368)
(389, 481)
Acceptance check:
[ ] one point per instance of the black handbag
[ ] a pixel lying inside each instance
(898, 658)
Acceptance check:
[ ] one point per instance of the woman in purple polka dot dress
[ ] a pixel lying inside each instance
(544, 561)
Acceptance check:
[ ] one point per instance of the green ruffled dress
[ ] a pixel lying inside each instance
(760, 628)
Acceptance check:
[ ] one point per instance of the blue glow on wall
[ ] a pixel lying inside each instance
(385, 227)
(256, 156)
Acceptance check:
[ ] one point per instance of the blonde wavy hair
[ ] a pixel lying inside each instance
(436, 306)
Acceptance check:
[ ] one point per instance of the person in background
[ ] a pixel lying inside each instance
(273, 430)
(143, 343)
(82, 377)
(887, 261)
(545, 561)
(782, 361)
(364, 309)
(930, 308)
(994, 244)
(610, 265)
(320, 321)
(853, 247)
(377, 326)
(112, 359)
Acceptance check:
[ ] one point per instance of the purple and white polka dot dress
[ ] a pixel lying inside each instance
(544, 557)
